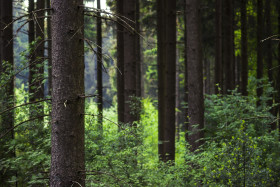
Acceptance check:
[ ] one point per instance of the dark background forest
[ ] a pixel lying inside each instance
(139, 93)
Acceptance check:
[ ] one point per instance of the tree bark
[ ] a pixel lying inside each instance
(49, 49)
(130, 60)
(260, 26)
(67, 140)
(120, 63)
(7, 96)
(195, 75)
(278, 74)
(244, 48)
(186, 89)
(228, 46)
(138, 52)
(166, 33)
(218, 48)
(99, 69)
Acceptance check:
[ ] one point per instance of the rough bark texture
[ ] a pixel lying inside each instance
(120, 65)
(260, 26)
(244, 49)
(195, 74)
(49, 48)
(67, 140)
(7, 96)
(99, 68)
(166, 28)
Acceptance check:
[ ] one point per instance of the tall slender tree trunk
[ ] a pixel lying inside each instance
(67, 137)
(177, 90)
(31, 38)
(99, 69)
(7, 99)
(277, 100)
(260, 26)
(36, 73)
(166, 28)
(228, 46)
(49, 48)
(268, 55)
(130, 60)
(195, 74)
(186, 89)
(138, 51)
(120, 63)
(218, 48)
(244, 48)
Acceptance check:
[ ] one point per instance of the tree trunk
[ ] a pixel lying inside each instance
(244, 48)
(7, 97)
(218, 49)
(120, 63)
(67, 152)
(186, 90)
(36, 74)
(268, 55)
(278, 74)
(49, 48)
(228, 46)
(195, 74)
(31, 38)
(259, 49)
(130, 60)
(138, 52)
(99, 69)
(166, 33)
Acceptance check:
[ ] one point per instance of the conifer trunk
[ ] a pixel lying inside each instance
(244, 48)
(99, 69)
(67, 136)
(260, 26)
(195, 74)
(166, 28)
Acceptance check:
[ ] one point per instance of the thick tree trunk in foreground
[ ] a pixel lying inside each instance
(7, 97)
(67, 137)
(166, 27)
(244, 49)
(99, 69)
(259, 48)
(195, 74)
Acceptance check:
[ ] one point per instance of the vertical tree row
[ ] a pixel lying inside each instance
(67, 137)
